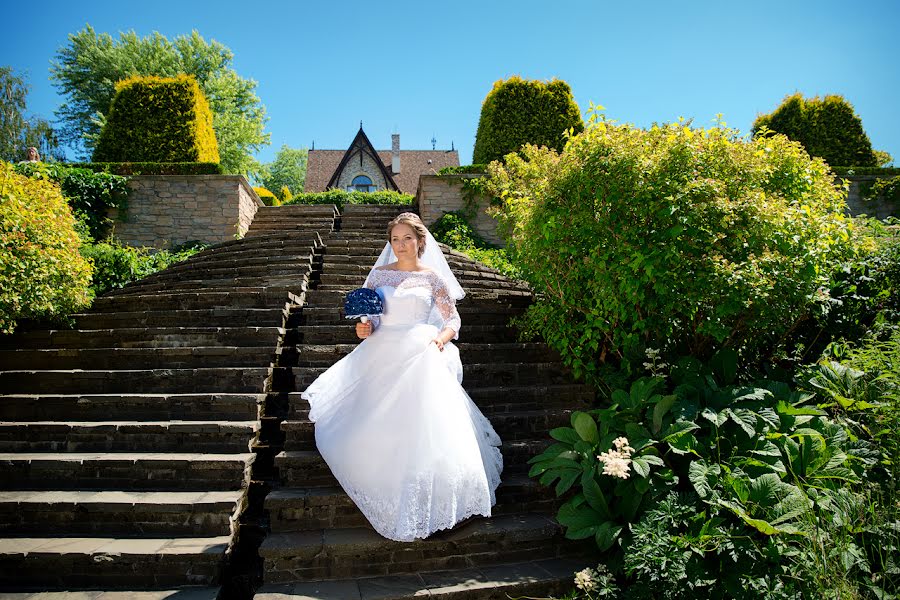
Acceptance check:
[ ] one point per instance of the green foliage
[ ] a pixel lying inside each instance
(268, 198)
(454, 230)
(86, 69)
(731, 488)
(827, 127)
(42, 275)
(116, 265)
(287, 170)
(158, 119)
(477, 169)
(342, 197)
(854, 171)
(519, 111)
(18, 131)
(861, 297)
(153, 168)
(677, 238)
(89, 194)
(885, 189)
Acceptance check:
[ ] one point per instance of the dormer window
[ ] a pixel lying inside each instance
(361, 183)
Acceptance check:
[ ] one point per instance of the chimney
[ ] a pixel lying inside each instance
(395, 153)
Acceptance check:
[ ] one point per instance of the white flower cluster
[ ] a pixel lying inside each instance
(656, 366)
(584, 580)
(617, 462)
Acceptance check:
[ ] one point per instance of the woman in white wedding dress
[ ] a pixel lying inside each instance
(392, 420)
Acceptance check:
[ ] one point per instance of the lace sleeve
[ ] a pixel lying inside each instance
(446, 305)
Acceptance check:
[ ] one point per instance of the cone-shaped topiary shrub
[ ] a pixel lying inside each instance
(158, 119)
(519, 111)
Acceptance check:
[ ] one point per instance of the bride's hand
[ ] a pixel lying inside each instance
(363, 330)
(439, 344)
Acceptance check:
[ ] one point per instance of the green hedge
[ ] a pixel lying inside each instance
(153, 168)
(827, 127)
(477, 169)
(42, 274)
(158, 119)
(90, 194)
(860, 171)
(343, 197)
(519, 111)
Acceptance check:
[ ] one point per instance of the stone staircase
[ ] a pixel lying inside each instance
(125, 443)
(320, 545)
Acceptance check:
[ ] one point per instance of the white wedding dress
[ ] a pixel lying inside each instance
(394, 424)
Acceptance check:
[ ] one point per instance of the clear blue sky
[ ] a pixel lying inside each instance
(422, 69)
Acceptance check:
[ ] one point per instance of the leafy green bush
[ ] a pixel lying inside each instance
(268, 198)
(519, 111)
(827, 127)
(685, 239)
(89, 194)
(454, 230)
(153, 168)
(885, 189)
(701, 486)
(158, 119)
(116, 265)
(42, 275)
(477, 169)
(342, 197)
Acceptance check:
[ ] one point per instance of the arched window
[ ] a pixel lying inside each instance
(362, 183)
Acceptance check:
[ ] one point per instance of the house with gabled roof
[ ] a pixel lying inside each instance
(363, 168)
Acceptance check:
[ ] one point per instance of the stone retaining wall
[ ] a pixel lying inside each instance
(167, 210)
(439, 194)
(857, 205)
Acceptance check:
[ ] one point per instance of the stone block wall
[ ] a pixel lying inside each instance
(166, 210)
(857, 205)
(437, 195)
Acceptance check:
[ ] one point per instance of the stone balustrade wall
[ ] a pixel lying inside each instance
(164, 211)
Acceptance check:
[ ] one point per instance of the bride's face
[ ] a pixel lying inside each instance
(404, 242)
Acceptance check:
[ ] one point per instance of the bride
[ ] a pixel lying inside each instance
(392, 421)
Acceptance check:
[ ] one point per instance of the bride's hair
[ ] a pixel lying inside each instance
(413, 220)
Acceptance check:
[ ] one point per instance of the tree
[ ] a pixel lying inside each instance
(519, 111)
(287, 170)
(827, 127)
(87, 69)
(17, 130)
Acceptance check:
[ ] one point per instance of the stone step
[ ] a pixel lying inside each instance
(124, 470)
(510, 426)
(271, 240)
(151, 337)
(275, 268)
(307, 468)
(111, 563)
(185, 357)
(533, 579)
(273, 224)
(475, 374)
(356, 210)
(234, 379)
(258, 297)
(298, 209)
(336, 553)
(210, 317)
(342, 265)
(311, 355)
(299, 509)
(138, 407)
(262, 251)
(119, 513)
(483, 315)
(295, 283)
(128, 436)
(240, 261)
(190, 592)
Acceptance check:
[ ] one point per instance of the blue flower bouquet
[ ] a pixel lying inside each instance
(364, 303)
